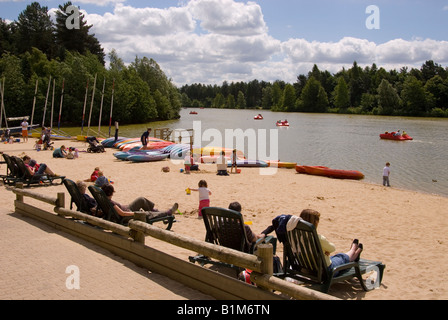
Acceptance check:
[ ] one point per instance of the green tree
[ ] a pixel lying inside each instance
(241, 101)
(313, 97)
(219, 101)
(388, 99)
(75, 39)
(289, 98)
(277, 93)
(230, 102)
(438, 88)
(415, 102)
(341, 95)
(6, 38)
(14, 97)
(35, 29)
(266, 101)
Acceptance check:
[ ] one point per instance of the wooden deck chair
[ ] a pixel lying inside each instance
(78, 199)
(29, 179)
(111, 214)
(304, 260)
(12, 171)
(225, 227)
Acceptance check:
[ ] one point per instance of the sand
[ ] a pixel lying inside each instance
(406, 230)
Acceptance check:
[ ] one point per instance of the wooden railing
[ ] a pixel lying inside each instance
(129, 243)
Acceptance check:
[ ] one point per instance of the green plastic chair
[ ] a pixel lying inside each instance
(225, 227)
(304, 260)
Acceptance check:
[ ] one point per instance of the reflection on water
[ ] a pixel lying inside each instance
(339, 141)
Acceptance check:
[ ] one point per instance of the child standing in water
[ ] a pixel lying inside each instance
(386, 174)
(204, 193)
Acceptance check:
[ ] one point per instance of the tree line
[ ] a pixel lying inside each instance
(370, 90)
(64, 63)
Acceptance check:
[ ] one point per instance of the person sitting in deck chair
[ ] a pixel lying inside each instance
(42, 168)
(139, 204)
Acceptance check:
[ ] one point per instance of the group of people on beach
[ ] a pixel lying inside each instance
(67, 153)
(127, 211)
(280, 223)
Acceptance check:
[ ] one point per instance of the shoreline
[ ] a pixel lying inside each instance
(405, 229)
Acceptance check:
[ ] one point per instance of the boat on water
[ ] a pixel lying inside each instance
(329, 172)
(258, 117)
(395, 136)
(282, 123)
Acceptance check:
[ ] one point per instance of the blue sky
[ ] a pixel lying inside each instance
(210, 41)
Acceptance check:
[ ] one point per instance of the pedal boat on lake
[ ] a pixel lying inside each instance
(394, 136)
(283, 123)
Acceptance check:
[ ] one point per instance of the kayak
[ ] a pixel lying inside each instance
(249, 163)
(280, 164)
(331, 173)
(149, 157)
(391, 136)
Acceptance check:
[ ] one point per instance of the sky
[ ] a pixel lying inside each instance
(211, 41)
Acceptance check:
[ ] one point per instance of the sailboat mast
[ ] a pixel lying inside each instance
(85, 104)
(91, 104)
(101, 108)
(111, 106)
(46, 102)
(34, 102)
(60, 106)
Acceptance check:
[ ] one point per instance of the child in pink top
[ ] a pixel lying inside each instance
(204, 193)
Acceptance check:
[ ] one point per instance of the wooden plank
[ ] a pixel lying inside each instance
(220, 253)
(295, 291)
(207, 281)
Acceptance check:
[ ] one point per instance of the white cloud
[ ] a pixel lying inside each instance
(209, 41)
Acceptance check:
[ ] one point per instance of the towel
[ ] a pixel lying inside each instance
(292, 223)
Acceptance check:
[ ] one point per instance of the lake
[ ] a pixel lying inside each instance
(348, 142)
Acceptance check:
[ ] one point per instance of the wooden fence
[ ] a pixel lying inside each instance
(128, 242)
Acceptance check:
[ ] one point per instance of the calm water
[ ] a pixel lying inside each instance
(339, 141)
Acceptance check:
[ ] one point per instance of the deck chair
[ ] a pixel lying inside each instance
(12, 171)
(304, 260)
(78, 199)
(112, 215)
(225, 227)
(27, 178)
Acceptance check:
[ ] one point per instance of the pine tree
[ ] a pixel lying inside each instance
(76, 38)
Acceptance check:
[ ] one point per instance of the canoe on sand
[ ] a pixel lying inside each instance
(331, 173)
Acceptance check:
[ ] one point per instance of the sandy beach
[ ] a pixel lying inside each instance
(406, 230)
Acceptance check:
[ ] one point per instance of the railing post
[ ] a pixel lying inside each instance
(137, 235)
(19, 197)
(60, 202)
(265, 252)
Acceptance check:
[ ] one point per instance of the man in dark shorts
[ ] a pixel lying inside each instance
(144, 138)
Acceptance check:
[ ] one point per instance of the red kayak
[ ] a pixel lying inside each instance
(331, 173)
(392, 136)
